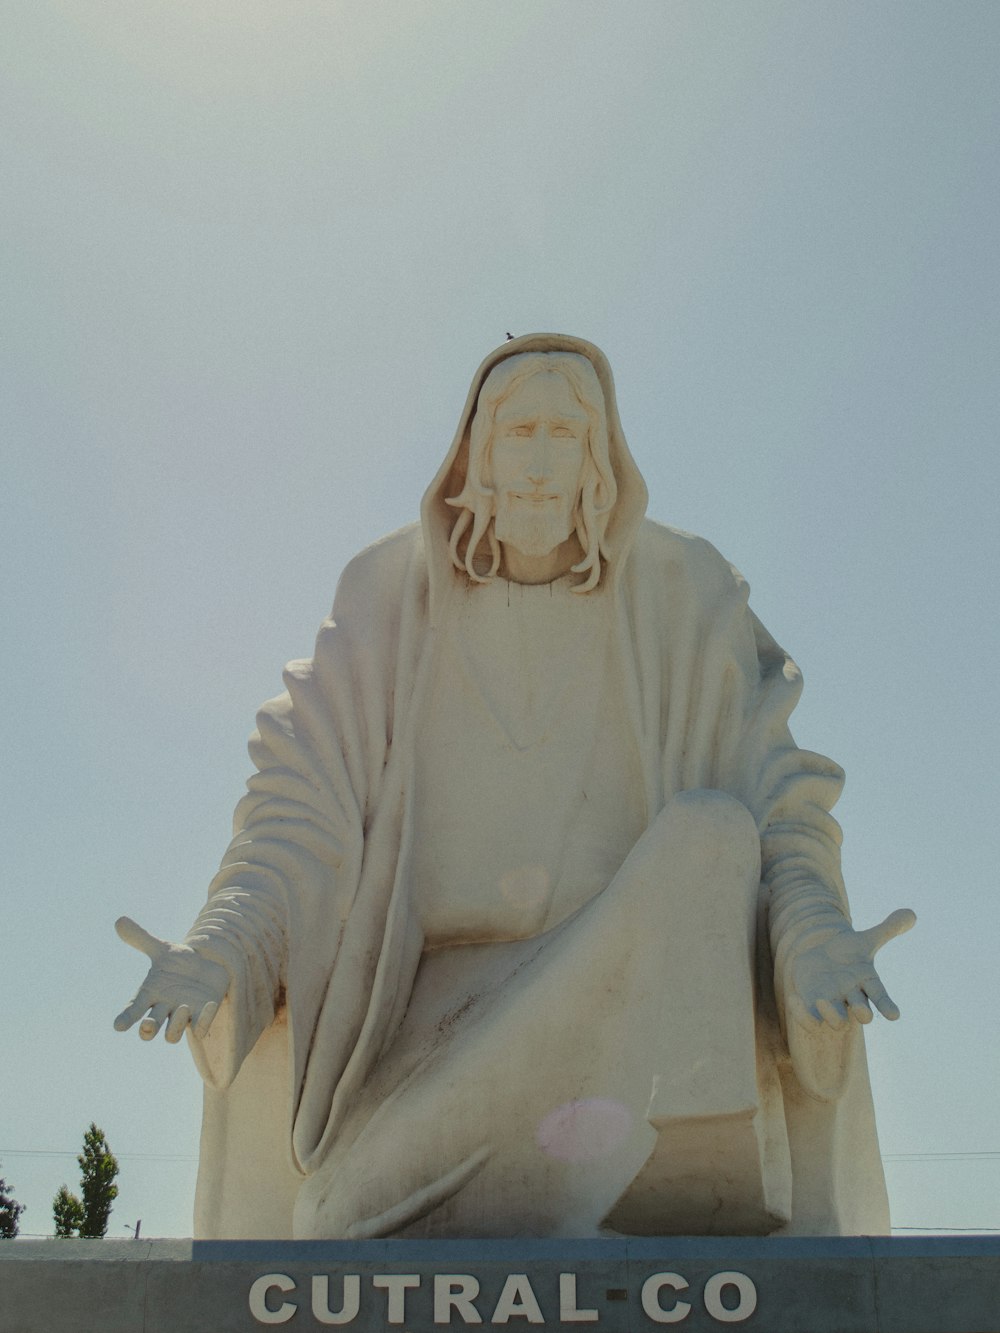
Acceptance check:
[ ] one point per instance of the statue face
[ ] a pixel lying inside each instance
(538, 453)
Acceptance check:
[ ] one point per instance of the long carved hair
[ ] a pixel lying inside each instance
(598, 490)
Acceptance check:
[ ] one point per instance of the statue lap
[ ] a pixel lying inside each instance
(534, 1059)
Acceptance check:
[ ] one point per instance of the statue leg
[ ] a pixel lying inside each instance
(516, 1098)
(717, 1165)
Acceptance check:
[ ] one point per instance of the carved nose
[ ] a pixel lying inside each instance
(539, 466)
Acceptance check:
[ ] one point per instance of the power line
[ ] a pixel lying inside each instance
(989, 1155)
(976, 1231)
(934, 1231)
(940, 1156)
(122, 1156)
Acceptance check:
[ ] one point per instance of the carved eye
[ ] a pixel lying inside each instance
(562, 433)
(522, 432)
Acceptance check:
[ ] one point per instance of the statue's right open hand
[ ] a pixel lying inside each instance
(181, 987)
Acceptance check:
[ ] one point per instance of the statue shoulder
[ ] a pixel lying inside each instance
(680, 554)
(363, 626)
(380, 570)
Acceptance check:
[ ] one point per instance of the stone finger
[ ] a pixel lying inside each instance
(858, 1007)
(179, 1020)
(153, 1021)
(834, 1014)
(896, 923)
(205, 1018)
(132, 1011)
(798, 1010)
(132, 933)
(881, 999)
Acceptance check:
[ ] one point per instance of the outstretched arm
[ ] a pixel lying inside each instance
(181, 987)
(832, 977)
(826, 983)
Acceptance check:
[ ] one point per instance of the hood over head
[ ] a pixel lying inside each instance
(438, 517)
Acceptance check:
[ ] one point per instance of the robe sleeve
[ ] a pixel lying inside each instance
(287, 881)
(282, 870)
(794, 791)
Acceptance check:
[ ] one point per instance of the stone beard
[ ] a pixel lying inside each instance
(536, 530)
(519, 927)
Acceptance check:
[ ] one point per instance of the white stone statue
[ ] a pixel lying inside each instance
(532, 923)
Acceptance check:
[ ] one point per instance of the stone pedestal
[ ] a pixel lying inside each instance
(843, 1285)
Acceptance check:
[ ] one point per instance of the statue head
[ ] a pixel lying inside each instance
(539, 481)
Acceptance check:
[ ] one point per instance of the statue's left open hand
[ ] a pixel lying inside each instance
(835, 981)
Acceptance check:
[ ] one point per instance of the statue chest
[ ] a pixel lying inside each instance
(527, 791)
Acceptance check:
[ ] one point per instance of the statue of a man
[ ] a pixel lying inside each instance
(532, 922)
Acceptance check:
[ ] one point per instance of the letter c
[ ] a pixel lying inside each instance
(258, 1299)
(651, 1289)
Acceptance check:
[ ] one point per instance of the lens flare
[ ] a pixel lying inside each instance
(583, 1131)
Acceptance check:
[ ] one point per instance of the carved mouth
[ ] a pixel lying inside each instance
(533, 497)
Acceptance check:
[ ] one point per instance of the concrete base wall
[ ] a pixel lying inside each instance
(843, 1285)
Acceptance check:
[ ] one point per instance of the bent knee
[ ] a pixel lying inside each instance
(709, 814)
(705, 825)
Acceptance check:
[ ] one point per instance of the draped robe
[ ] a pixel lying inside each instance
(312, 912)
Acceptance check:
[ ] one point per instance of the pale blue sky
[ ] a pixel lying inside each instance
(254, 252)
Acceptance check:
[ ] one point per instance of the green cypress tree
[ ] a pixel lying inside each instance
(67, 1211)
(86, 1215)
